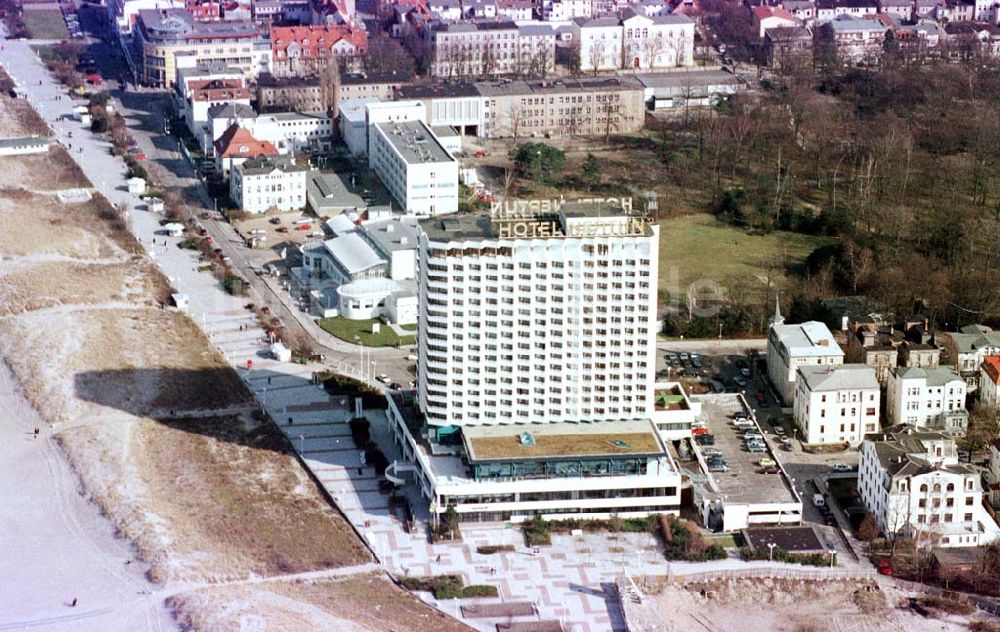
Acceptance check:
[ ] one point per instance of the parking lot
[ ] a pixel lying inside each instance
(745, 481)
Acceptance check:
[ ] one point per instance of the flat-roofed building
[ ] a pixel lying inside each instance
(562, 107)
(419, 172)
(536, 353)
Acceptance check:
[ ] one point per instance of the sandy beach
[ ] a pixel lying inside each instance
(56, 545)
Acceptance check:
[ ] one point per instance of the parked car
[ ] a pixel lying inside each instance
(766, 462)
(745, 372)
(818, 500)
(136, 153)
(884, 568)
(779, 430)
(841, 467)
(701, 430)
(769, 470)
(274, 220)
(711, 451)
(718, 467)
(303, 227)
(756, 447)
(283, 229)
(705, 439)
(787, 447)
(382, 377)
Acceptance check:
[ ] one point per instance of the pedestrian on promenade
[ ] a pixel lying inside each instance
(36, 433)
(73, 603)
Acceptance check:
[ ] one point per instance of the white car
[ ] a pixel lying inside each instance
(840, 467)
(382, 377)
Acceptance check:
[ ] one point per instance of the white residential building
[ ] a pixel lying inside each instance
(931, 398)
(419, 172)
(536, 356)
(989, 382)
(566, 10)
(261, 184)
(792, 346)
(201, 89)
(969, 347)
(287, 131)
(491, 49)
(634, 42)
(837, 403)
(915, 486)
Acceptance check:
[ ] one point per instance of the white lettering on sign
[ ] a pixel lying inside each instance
(529, 209)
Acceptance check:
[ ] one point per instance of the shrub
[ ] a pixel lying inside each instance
(781, 555)
(480, 590)
(490, 549)
(685, 543)
(360, 431)
(447, 587)
(537, 532)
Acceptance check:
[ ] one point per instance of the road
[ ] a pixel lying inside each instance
(146, 112)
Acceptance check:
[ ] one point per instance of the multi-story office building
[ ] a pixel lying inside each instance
(562, 107)
(163, 36)
(416, 168)
(930, 398)
(837, 403)
(792, 346)
(536, 358)
(915, 486)
(491, 49)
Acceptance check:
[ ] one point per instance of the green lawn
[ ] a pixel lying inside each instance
(700, 246)
(46, 24)
(355, 331)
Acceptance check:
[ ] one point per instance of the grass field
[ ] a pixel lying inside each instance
(354, 330)
(46, 24)
(699, 246)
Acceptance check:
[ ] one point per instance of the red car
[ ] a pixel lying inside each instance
(94, 79)
(304, 227)
(884, 568)
(700, 430)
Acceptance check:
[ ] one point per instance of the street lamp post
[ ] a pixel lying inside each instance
(833, 556)
(302, 444)
(770, 551)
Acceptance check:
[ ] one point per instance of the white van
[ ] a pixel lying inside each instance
(818, 500)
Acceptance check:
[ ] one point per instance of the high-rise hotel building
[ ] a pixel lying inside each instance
(536, 365)
(541, 320)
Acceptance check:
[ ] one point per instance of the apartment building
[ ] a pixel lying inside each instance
(309, 50)
(200, 89)
(163, 36)
(411, 162)
(915, 486)
(265, 183)
(989, 383)
(566, 10)
(930, 398)
(237, 145)
(853, 40)
(968, 347)
(792, 346)
(490, 49)
(536, 347)
(122, 14)
(837, 403)
(634, 41)
(562, 107)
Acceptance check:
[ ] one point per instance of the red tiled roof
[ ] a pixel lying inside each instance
(763, 11)
(991, 364)
(217, 89)
(316, 39)
(238, 142)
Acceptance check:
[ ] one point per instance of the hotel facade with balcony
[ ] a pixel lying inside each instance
(535, 372)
